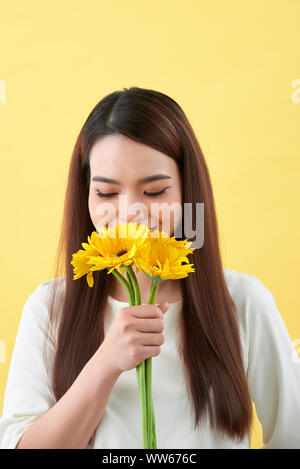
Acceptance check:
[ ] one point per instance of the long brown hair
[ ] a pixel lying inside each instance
(210, 341)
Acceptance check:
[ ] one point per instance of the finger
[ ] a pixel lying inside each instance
(149, 324)
(145, 311)
(148, 338)
(164, 306)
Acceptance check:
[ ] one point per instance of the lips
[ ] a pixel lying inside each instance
(152, 228)
(137, 223)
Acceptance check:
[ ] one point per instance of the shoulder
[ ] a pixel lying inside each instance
(255, 304)
(37, 304)
(42, 293)
(245, 287)
(250, 295)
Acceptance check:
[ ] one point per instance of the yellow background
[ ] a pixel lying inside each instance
(230, 65)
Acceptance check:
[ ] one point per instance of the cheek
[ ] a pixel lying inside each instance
(91, 208)
(101, 212)
(93, 204)
(167, 211)
(174, 203)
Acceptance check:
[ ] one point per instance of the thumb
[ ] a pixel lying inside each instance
(164, 306)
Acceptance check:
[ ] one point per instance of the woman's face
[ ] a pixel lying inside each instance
(121, 190)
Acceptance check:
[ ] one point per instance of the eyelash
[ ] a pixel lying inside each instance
(149, 194)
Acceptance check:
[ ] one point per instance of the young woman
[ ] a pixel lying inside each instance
(217, 339)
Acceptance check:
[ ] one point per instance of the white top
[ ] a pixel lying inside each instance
(270, 361)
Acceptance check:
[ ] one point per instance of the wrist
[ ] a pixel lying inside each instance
(101, 368)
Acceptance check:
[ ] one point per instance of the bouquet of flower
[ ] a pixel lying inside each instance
(158, 256)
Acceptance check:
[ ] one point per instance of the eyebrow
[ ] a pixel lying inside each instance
(154, 177)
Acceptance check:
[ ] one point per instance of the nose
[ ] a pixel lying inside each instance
(131, 219)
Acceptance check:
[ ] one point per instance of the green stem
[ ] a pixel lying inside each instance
(132, 289)
(151, 420)
(135, 284)
(141, 367)
(126, 285)
(152, 292)
(131, 285)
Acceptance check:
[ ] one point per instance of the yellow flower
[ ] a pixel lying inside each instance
(155, 254)
(163, 258)
(117, 246)
(112, 248)
(80, 263)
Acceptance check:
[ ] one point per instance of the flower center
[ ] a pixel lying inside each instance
(120, 253)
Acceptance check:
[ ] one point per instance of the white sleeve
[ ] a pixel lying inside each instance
(28, 392)
(273, 370)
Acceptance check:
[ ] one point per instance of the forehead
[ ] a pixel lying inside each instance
(119, 155)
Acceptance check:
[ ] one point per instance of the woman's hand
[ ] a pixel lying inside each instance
(135, 334)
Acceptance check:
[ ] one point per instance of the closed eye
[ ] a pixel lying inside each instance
(149, 194)
(100, 194)
(153, 194)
